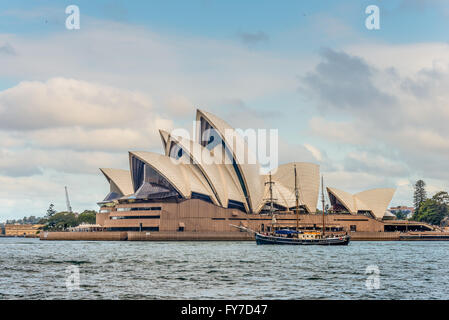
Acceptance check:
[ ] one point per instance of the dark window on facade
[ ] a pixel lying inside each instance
(156, 179)
(133, 229)
(353, 227)
(209, 137)
(111, 196)
(137, 173)
(232, 204)
(139, 209)
(145, 208)
(201, 197)
(133, 217)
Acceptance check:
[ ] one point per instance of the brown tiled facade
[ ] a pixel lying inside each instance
(195, 215)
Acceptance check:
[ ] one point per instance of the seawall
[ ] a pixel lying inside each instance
(148, 236)
(225, 236)
(374, 236)
(95, 236)
(189, 236)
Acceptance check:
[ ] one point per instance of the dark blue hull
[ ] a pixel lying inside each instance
(335, 241)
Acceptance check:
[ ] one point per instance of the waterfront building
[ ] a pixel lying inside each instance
(208, 184)
(22, 230)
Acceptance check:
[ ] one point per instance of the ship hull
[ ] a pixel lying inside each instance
(335, 241)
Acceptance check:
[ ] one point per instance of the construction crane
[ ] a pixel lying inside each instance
(67, 201)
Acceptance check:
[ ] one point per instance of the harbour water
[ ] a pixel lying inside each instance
(34, 269)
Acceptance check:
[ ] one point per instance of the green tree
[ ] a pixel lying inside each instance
(42, 221)
(61, 221)
(87, 216)
(420, 194)
(442, 197)
(400, 214)
(51, 210)
(432, 211)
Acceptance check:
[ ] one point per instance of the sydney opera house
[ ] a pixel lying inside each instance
(207, 185)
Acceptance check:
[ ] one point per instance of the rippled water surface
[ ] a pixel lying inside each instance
(34, 269)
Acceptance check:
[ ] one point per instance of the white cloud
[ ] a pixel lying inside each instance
(179, 106)
(78, 115)
(370, 162)
(28, 162)
(314, 151)
(61, 102)
(405, 59)
(354, 182)
(387, 105)
(413, 121)
(59, 132)
(200, 69)
(32, 195)
(341, 132)
(90, 96)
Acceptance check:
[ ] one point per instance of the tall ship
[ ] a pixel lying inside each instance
(291, 237)
(296, 236)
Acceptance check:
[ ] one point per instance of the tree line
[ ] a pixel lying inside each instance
(58, 221)
(431, 210)
(25, 220)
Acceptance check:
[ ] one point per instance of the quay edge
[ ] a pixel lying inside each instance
(227, 236)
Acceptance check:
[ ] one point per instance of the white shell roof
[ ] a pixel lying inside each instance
(121, 178)
(185, 178)
(164, 137)
(245, 159)
(218, 175)
(374, 200)
(377, 200)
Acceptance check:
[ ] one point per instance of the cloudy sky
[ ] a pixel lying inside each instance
(370, 106)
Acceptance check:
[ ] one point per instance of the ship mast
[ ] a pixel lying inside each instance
(322, 201)
(297, 200)
(271, 195)
(271, 199)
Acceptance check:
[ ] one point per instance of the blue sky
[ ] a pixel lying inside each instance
(368, 105)
(402, 21)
